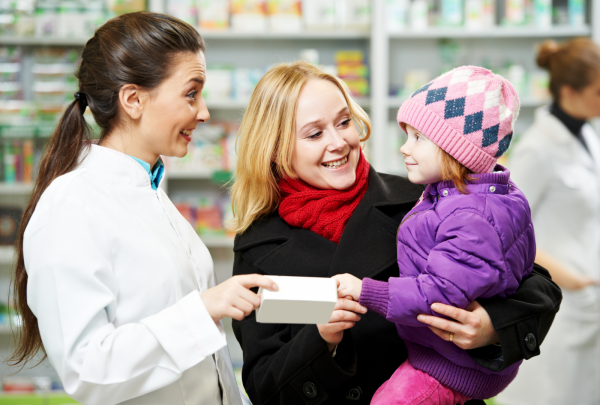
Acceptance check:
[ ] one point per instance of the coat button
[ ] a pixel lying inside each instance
(492, 189)
(310, 389)
(530, 341)
(354, 394)
(445, 193)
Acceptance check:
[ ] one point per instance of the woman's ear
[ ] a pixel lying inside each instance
(567, 92)
(131, 100)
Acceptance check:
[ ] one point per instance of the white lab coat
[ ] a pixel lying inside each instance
(561, 180)
(114, 278)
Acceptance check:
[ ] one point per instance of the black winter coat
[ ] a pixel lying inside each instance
(290, 364)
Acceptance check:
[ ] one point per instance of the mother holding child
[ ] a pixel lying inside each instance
(307, 203)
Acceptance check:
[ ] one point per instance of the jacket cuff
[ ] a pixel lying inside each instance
(186, 331)
(375, 295)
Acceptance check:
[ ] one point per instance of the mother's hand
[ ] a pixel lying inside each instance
(345, 314)
(472, 328)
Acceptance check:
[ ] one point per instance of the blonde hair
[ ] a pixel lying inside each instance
(265, 141)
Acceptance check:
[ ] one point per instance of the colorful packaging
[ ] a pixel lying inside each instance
(353, 71)
(319, 15)
(577, 13)
(397, 14)
(249, 15)
(452, 13)
(213, 15)
(184, 10)
(284, 15)
(542, 13)
(515, 12)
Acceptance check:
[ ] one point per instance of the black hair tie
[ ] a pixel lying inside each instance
(82, 100)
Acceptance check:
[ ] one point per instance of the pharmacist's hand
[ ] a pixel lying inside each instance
(348, 286)
(345, 314)
(233, 298)
(472, 328)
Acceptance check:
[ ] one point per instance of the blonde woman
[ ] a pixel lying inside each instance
(307, 203)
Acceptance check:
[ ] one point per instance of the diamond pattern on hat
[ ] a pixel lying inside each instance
(454, 108)
(476, 87)
(461, 75)
(422, 89)
(490, 135)
(436, 95)
(505, 112)
(492, 99)
(473, 122)
(503, 145)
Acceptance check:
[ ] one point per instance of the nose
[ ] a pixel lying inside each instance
(202, 115)
(337, 142)
(404, 149)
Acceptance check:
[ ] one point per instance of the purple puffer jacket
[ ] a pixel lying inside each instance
(454, 248)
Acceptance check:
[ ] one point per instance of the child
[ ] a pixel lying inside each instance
(470, 235)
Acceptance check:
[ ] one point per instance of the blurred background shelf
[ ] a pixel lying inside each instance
(15, 188)
(495, 32)
(7, 255)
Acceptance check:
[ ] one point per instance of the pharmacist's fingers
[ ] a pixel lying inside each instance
(243, 305)
(349, 305)
(235, 313)
(257, 280)
(249, 296)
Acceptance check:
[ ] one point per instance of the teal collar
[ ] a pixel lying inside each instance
(157, 171)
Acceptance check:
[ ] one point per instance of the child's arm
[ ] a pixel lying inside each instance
(467, 263)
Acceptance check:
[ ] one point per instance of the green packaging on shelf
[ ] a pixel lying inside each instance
(221, 176)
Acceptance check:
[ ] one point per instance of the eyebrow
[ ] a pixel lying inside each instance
(197, 80)
(345, 109)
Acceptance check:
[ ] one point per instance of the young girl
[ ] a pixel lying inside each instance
(470, 235)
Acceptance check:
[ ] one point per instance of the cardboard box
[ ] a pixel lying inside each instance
(305, 300)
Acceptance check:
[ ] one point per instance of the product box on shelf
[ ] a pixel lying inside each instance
(249, 15)
(53, 75)
(352, 69)
(207, 212)
(11, 87)
(284, 15)
(213, 15)
(184, 10)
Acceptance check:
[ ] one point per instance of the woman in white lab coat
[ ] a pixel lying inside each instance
(112, 283)
(557, 165)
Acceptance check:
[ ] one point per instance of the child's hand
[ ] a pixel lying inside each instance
(349, 286)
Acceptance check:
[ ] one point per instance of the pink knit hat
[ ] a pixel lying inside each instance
(469, 112)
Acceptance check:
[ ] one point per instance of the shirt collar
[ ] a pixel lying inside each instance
(155, 174)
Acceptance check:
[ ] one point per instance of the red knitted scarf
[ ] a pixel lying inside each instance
(324, 212)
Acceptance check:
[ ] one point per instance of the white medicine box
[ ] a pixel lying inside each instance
(306, 300)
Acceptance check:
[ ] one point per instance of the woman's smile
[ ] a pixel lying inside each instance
(186, 134)
(337, 165)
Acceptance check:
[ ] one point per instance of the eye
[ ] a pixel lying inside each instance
(315, 136)
(192, 94)
(346, 122)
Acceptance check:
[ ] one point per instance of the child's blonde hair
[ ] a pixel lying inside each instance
(265, 141)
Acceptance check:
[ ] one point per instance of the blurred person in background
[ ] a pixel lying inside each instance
(557, 166)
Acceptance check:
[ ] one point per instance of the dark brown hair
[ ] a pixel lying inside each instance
(453, 170)
(575, 63)
(136, 48)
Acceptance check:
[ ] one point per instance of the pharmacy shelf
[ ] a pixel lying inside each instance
(233, 35)
(494, 32)
(234, 104)
(43, 41)
(7, 254)
(6, 329)
(320, 35)
(396, 102)
(15, 188)
(198, 174)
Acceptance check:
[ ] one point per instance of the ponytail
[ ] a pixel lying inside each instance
(63, 151)
(135, 48)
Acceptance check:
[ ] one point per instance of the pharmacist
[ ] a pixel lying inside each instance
(557, 165)
(112, 282)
